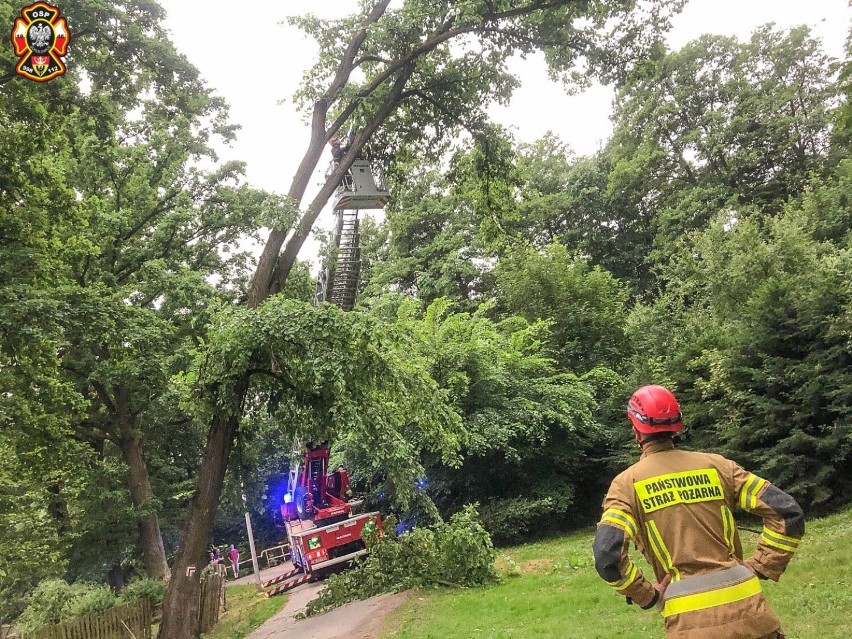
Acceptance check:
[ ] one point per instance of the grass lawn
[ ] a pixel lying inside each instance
(556, 593)
(246, 611)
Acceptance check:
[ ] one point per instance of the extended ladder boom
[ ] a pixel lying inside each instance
(338, 279)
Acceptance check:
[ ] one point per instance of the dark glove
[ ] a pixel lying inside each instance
(653, 601)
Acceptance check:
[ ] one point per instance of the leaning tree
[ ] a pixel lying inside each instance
(411, 77)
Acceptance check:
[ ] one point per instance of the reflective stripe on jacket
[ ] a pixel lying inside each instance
(677, 507)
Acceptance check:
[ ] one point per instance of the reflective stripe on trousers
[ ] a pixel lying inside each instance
(713, 589)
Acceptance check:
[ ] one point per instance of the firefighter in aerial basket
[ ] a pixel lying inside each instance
(677, 508)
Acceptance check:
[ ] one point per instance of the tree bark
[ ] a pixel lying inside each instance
(180, 608)
(140, 491)
(116, 577)
(262, 280)
(57, 508)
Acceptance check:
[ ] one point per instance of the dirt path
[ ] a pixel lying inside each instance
(357, 620)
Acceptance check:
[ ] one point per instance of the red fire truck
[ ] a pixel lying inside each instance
(317, 512)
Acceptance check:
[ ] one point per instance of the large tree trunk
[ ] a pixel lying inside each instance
(180, 608)
(142, 495)
(116, 577)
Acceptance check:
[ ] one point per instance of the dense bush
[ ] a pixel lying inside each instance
(55, 600)
(93, 598)
(459, 553)
(511, 521)
(153, 589)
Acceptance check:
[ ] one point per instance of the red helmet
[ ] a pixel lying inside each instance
(654, 409)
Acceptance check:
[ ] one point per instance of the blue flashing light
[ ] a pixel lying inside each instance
(288, 498)
(405, 526)
(421, 483)
(275, 491)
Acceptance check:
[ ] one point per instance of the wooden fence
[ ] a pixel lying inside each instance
(129, 621)
(212, 598)
(133, 620)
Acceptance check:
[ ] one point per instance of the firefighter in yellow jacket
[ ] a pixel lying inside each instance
(677, 508)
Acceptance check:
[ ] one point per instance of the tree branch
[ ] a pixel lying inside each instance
(535, 5)
(347, 62)
(162, 207)
(446, 32)
(294, 244)
(103, 395)
(370, 58)
(520, 37)
(278, 378)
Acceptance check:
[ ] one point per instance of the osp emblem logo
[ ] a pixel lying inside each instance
(40, 38)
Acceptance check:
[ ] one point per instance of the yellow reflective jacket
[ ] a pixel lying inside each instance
(676, 506)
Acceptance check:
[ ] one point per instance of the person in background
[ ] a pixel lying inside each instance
(234, 556)
(677, 507)
(215, 555)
